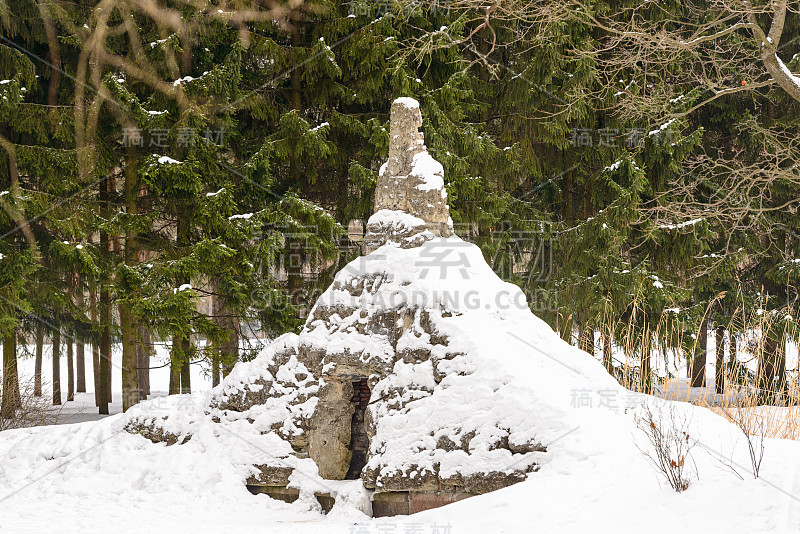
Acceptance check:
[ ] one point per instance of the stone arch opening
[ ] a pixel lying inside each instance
(359, 439)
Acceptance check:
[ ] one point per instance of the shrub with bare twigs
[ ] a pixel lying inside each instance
(740, 411)
(30, 410)
(670, 445)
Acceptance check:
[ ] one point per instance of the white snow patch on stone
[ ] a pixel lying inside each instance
(429, 171)
(395, 218)
(407, 102)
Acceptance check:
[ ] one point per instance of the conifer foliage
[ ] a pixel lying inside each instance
(184, 173)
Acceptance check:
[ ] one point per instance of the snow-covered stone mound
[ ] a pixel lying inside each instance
(418, 369)
(467, 384)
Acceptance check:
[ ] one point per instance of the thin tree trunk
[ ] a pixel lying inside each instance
(10, 401)
(70, 370)
(95, 346)
(80, 368)
(186, 372)
(37, 365)
(226, 354)
(175, 368)
(231, 348)
(143, 351)
(57, 366)
(180, 380)
(698, 377)
(80, 358)
(216, 313)
(215, 369)
(105, 304)
(719, 375)
(105, 350)
(130, 356)
(16, 377)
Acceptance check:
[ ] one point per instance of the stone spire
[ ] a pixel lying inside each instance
(410, 198)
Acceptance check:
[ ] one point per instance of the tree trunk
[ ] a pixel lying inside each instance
(106, 313)
(37, 366)
(294, 274)
(80, 358)
(186, 371)
(95, 347)
(226, 354)
(130, 359)
(143, 350)
(214, 369)
(15, 370)
(80, 367)
(698, 377)
(231, 348)
(10, 401)
(719, 375)
(216, 350)
(180, 379)
(104, 371)
(175, 368)
(57, 366)
(130, 355)
(70, 370)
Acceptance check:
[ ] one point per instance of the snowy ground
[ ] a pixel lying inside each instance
(95, 477)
